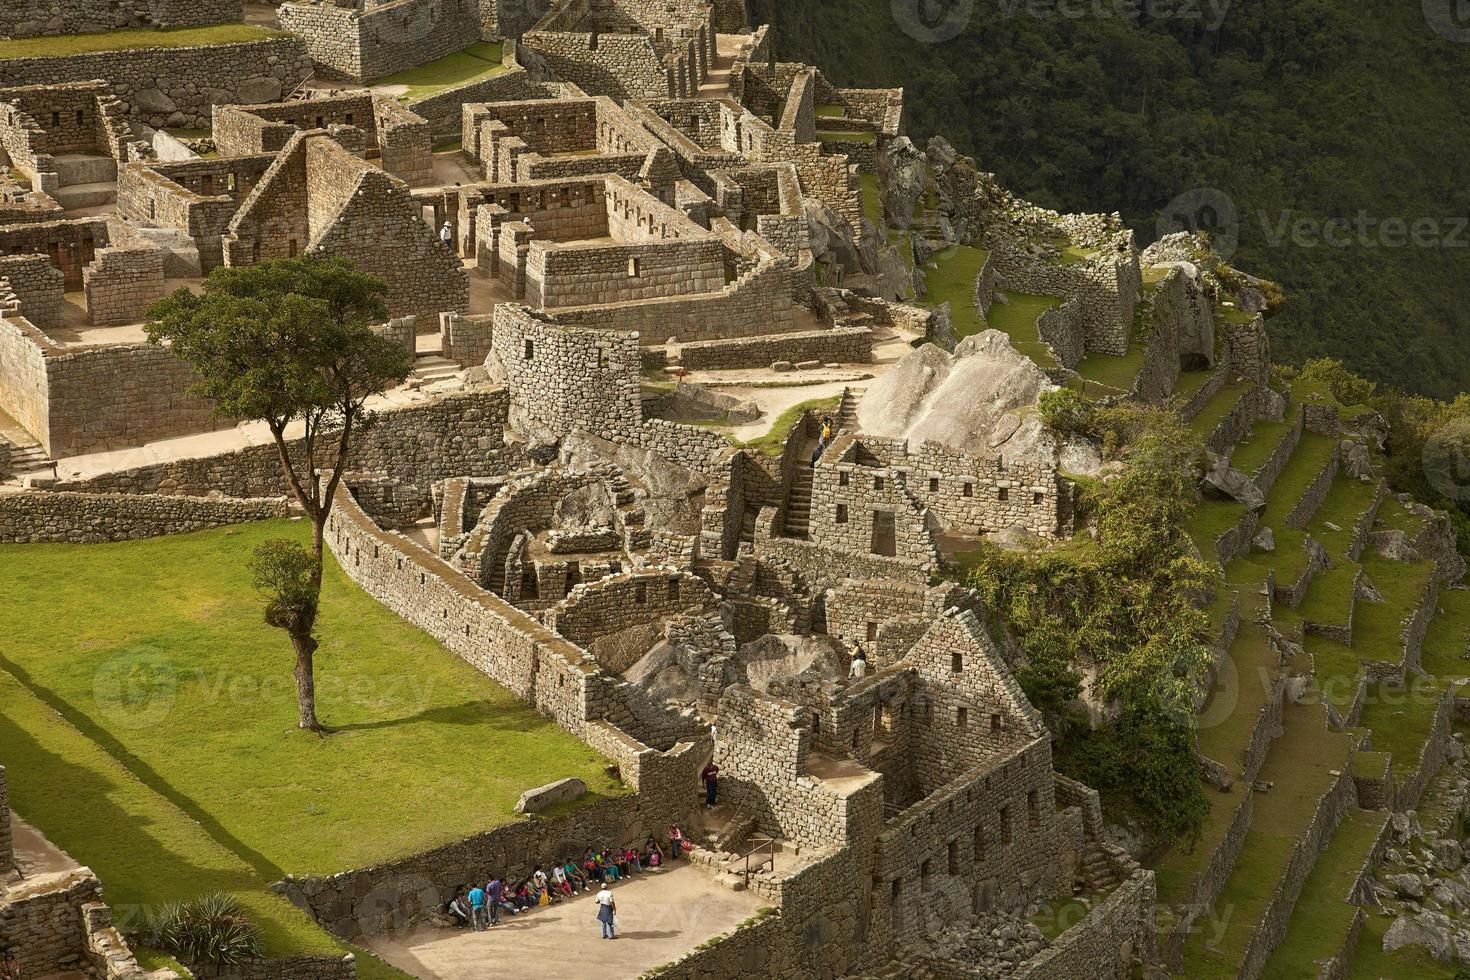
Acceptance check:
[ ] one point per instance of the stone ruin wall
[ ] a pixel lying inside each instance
(845, 345)
(594, 610)
(360, 45)
(453, 435)
(198, 197)
(7, 852)
(1107, 289)
(32, 517)
(19, 20)
(37, 289)
(563, 378)
(199, 78)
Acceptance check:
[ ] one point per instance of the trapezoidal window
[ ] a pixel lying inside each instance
(634, 268)
(530, 350)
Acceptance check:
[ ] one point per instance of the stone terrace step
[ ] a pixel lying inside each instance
(1324, 918)
(1306, 765)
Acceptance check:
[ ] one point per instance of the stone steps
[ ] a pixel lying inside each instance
(432, 367)
(88, 195)
(799, 504)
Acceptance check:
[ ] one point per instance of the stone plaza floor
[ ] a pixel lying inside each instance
(661, 917)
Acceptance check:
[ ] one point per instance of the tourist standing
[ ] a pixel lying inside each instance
(477, 908)
(493, 890)
(859, 668)
(607, 912)
(446, 236)
(711, 777)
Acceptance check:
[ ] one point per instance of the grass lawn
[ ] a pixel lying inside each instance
(1300, 764)
(1329, 600)
(1252, 452)
(1378, 626)
(156, 651)
(847, 136)
(872, 199)
(1394, 515)
(1305, 465)
(1346, 503)
(479, 61)
(189, 37)
(1323, 914)
(1218, 407)
(1228, 717)
(1114, 372)
(1017, 319)
(1213, 518)
(1401, 718)
(1190, 382)
(1443, 650)
(829, 109)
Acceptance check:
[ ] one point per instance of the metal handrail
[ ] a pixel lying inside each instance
(767, 844)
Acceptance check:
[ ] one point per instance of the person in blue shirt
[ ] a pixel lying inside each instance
(477, 908)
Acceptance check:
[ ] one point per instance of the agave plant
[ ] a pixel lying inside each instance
(212, 928)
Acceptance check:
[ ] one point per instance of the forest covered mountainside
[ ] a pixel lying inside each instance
(1301, 113)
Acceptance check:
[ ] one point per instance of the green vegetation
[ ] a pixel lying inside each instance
(775, 440)
(1016, 318)
(167, 665)
(477, 62)
(1126, 604)
(1105, 112)
(188, 37)
(847, 136)
(1323, 913)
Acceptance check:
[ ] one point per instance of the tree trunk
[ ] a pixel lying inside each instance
(305, 645)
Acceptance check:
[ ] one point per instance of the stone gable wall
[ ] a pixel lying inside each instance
(36, 285)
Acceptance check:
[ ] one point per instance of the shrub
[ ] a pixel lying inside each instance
(1067, 413)
(212, 928)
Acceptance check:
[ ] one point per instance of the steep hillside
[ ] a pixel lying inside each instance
(1298, 110)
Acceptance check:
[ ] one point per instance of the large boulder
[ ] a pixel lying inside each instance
(544, 797)
(902, 174)
(980, 399)
(1224, 480)
(1430, 930)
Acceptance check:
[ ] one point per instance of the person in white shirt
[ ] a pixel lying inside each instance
(607, 912)
(859, 668)
(446, 236)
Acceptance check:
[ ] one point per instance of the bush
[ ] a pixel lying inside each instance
(212, 928)
(1067, 413)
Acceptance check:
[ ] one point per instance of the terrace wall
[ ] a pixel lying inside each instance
(36, 516)
(200, 77)
(364, 44)
(98, 16)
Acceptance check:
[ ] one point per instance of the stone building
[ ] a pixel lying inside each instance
(67, 140)
(319, 198)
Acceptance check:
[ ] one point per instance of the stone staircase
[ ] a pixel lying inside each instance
(847, 420)
(431, 367)
(26, 458)
(799, 504)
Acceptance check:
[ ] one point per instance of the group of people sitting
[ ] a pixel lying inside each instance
(480, 906)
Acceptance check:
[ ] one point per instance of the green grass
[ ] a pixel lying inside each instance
(829, 109)
(1221, 405)
(479, 61)
(1345, 504)
(144, 848)
(1370, 962)
(1444, 647)
(774, 441)
(1300, 765)
(1252, 452)
(1402, 718)
(1017, 320)
(1115, 372)
(1329, 599)
(872, 199)
(1305, 465)
(156, 650)
(1378, 626)
(1213, 518)
(1394, 515)
(847, 136)
(952, 280)
(1228, 717)
(1058, 916)
(189, 37)
(1323, 913)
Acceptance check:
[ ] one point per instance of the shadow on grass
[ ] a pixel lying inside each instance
(145, 773)
(468, 713)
